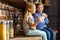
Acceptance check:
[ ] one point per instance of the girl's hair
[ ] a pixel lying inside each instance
(26, 15)
(38, 4)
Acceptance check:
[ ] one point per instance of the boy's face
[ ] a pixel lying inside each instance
(40, 8)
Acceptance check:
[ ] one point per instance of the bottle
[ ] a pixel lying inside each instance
(11, 30)
(2, 30)
(7, 30)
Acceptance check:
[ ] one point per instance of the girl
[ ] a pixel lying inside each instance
(43, 21)
(29, 25)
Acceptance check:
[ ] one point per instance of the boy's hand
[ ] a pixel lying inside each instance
(45, 15)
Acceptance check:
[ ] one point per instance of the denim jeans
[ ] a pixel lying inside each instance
(50, 33)
(37, 32)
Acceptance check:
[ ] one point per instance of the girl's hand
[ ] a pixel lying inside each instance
(38, 19)
(33, 28)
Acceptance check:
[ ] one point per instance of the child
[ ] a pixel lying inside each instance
(29, 25)
(43, 21)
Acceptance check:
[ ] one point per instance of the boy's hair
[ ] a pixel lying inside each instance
(39, 4)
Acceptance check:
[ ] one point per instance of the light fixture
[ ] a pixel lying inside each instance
(35, 1)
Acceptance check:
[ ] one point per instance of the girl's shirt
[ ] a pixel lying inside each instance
(42, 23)
(26, 26)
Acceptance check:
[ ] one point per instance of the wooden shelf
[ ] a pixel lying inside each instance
(47, 5)
(45, 2)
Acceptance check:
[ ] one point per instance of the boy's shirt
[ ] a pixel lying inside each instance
(42, 24)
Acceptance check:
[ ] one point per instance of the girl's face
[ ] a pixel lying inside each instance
(33, 9)
(40, 8)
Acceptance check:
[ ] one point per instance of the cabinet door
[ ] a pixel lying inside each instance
(47, 1)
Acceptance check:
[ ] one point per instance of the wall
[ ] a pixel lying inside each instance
(53, 14)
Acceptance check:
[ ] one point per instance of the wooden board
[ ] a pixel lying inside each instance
(2, 17)
(27, 38)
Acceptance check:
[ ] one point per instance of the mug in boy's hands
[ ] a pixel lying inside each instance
(41, 18)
